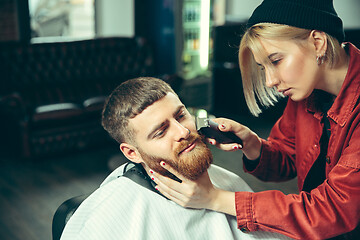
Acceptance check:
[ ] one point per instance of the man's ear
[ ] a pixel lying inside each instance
(319, 40)
(131, 152)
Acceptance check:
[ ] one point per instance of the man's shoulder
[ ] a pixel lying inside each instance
(119, 188)
(227, 180)
(118, 172)
(114, 208)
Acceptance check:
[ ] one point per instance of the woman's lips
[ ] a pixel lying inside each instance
(286, 92)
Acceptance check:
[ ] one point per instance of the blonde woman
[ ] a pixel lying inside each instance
(294, 49)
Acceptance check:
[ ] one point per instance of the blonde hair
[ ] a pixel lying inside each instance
(253, 78)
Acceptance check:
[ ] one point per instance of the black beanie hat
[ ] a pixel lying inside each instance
(308, 14)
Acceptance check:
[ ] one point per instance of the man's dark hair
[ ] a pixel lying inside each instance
(127, 101)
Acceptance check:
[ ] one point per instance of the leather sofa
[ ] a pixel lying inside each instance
(52, 94)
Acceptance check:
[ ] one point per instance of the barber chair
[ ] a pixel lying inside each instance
(63, 214)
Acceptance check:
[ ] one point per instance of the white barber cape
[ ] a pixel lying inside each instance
(122, 209)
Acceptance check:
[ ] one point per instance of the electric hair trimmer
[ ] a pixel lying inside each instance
(210, 129)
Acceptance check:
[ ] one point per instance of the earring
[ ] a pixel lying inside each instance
(320, 59)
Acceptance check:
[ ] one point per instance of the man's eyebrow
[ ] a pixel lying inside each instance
(178, 110)
(157, 127)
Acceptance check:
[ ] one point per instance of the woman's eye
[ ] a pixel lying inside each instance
(276, 62)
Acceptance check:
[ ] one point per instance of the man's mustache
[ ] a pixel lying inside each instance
(186, 142)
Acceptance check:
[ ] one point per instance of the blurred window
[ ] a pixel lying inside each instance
(58, 20)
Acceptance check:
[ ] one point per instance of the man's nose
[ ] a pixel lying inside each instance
(181, 132)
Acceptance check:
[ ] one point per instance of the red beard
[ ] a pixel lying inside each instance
(191, 164)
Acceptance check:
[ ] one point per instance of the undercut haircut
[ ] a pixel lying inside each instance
(128, 100)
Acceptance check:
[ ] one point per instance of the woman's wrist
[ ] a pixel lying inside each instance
(253, 149)
(223, 201)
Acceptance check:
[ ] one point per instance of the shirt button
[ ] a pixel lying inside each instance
(327, 159)
(245, 230)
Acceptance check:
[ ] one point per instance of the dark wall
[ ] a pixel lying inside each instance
(227, 95)
(353, 36)
(8, 21)
(156, 21)
(14, 21)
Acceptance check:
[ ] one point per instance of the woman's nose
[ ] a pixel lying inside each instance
(271, 79)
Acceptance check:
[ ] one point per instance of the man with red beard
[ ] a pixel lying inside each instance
(153, 127)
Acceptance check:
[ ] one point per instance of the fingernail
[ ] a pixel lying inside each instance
(240, 146)
(235, 147)
(222, 126)
(156, 188)
(152, 178)
(162, 163)
(151, 171)
(211, 142)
